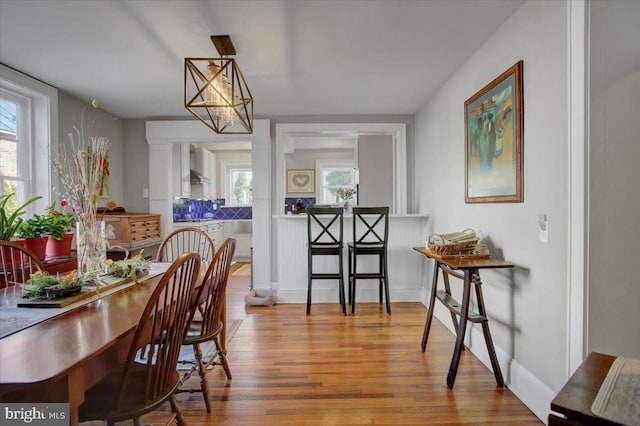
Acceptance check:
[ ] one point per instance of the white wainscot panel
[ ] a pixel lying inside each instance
(406, 267)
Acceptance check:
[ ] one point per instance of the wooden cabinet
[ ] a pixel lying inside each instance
(134, 231)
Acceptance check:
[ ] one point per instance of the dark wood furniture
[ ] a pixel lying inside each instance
(325, 238)
(59, 359)
(370, 237)
(470, 274)
(60, 265)
(576, 397)
(148, 378)
(208, 322)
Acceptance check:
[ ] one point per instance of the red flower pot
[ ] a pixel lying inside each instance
(59, 248)
(37, 245)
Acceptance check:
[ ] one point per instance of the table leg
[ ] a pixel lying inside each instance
(432, 303)
(447, 288)
(485, 330)
(464, 315)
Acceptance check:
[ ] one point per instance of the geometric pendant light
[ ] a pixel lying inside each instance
(216, 92)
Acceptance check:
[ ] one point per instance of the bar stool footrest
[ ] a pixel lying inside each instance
(325, 276)
(454, 306)
(368, 276)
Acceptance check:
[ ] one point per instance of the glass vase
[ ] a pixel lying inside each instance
(91, 247)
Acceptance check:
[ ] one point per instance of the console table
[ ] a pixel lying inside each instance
(469, 273)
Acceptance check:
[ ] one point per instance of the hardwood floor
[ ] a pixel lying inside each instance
(327, 369)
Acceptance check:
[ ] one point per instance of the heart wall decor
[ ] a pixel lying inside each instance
(300, 181)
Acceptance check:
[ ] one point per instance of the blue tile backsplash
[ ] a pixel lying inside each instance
(185, 209)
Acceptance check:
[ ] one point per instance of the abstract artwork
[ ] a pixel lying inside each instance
(493, 140)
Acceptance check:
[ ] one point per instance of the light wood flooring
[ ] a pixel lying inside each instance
(327, 369)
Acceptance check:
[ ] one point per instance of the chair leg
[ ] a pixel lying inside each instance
(222, 356)
(341, 284)
(177, 411)
(309, 273)
(386, 284)
(381, 279)
(202, 371)
(353, 283)
(349, 276)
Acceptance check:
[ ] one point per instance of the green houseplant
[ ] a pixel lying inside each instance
(34, 227)
(10, 222)
(34, 232)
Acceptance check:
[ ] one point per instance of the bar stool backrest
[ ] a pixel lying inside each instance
(370, 226)
(324, 226)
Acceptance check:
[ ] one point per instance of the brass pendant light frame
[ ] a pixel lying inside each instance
(199, 77)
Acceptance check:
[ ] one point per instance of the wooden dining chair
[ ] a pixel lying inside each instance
(370, 237)
(185, 240)
(208, 321)
(17, 263)
(142, 384)
(325, 238)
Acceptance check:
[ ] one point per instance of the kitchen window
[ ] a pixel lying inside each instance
(240, 186)
(332, 175)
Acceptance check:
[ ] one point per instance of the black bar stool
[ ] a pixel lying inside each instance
(370, 235)
(324, 238)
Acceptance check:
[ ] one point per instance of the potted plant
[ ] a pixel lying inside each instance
(10, 222)
(34, 232)
(59, 226)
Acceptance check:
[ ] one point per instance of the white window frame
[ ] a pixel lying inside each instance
(42, 130)
(227, 186)
(332, 164)
(22, 140)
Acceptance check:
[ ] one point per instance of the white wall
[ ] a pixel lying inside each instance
(614, 231)
(228, 157)
(375, 165)
(136, 166)
(526, 306)
(97, 122)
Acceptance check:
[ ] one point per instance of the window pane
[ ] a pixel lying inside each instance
(8, 117)
(242, 184)
(11, 187)
(8, 158)
(334, 178)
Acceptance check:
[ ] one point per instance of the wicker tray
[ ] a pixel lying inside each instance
(438, 245)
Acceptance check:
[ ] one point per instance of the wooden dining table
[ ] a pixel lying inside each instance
(60, 358)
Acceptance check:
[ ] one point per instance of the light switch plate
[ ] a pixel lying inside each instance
(543, 227)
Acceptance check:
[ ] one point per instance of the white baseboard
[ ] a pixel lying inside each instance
(525, 385)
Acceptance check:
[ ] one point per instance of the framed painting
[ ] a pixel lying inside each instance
(493, 124)
(301, 181)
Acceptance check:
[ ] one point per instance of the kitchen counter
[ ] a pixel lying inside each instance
(406, 271)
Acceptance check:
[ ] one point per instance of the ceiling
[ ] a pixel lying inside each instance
(299, 57)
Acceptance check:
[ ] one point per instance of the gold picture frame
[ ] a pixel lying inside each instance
(301, 181)
(493, 120)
